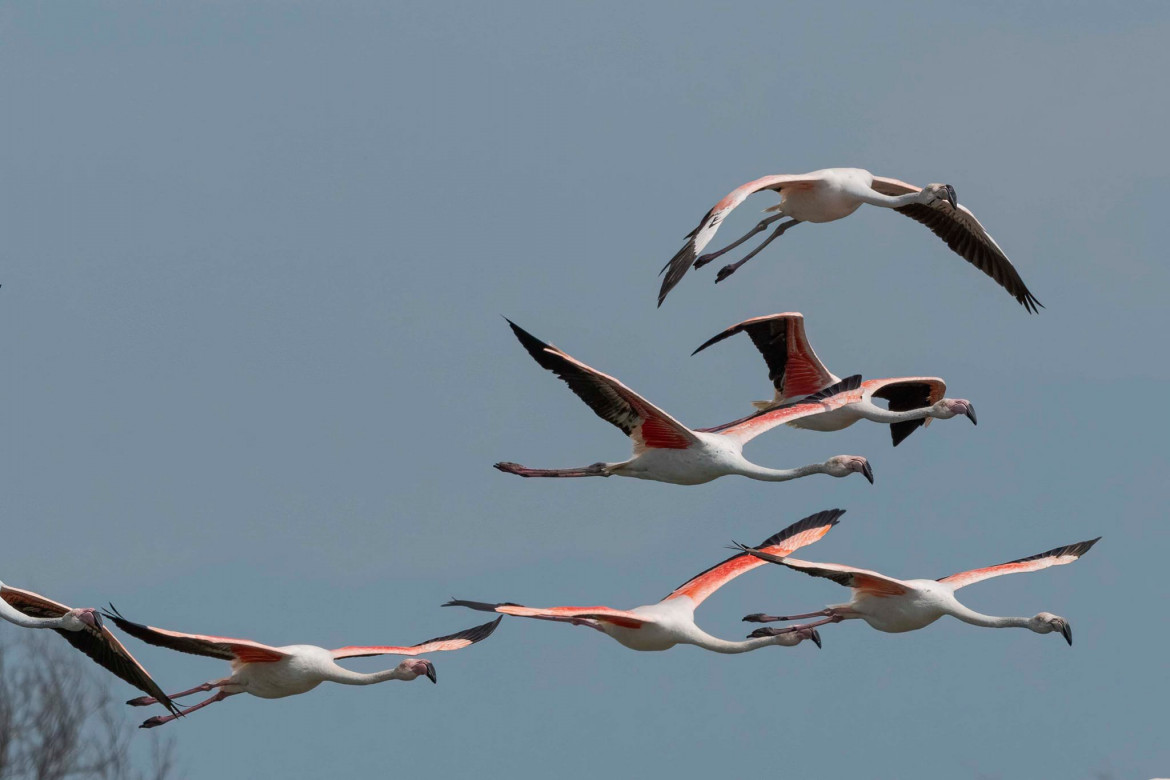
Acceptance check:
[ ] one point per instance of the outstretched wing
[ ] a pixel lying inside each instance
(793, 366)
(450, 642)
(226, 648)
(1055, 557)
(642, 421)
(835, 396)
(904, 394)
(99, 643)
(868, 582)
(617, 617)
(963, 233)
(799, 534)
(698, 238)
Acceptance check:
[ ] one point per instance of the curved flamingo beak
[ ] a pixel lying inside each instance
(954, 200)
(1066, 632)
(816, 638)
(971, 414)
(97, 619)
(867, 471)
(431, 672)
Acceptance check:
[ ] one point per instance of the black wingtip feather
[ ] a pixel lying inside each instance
(844, 386)
(828, 516)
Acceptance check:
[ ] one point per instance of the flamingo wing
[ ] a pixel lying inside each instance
(1055, 557)
(698, 238)
(793, 366)
(799, 534)
(642, 421)
(618, 617)
(845, 392)
(870, 583)
(450, 642)
(964, 234)
(904, 394)
(226, 648)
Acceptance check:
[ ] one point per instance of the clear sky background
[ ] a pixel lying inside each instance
(254, 260)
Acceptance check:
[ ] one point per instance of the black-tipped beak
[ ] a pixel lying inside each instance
(971, 414)
(951, 197)
(431, 673)
(97, 619)
(1066, 632)
(816, 638)
(867, 472)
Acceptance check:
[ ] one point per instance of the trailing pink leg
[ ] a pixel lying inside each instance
(159, 720)
(804, 627)
(595, 470)
(760, 617)
(146, 701)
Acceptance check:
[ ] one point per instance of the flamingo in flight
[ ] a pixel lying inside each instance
(276, 672)
(796, 371)
(665, 450)
(82, 628)
(671, 621)
(895, 606)
(832, 193)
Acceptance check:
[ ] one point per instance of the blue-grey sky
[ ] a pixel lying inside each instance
(254, 258)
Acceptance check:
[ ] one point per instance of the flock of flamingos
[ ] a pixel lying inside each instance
(806, 395)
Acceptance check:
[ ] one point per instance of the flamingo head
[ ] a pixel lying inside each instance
(1047, 623)
(85, 617)
(953, 407)
(933, 193)
(844, 465)
(413, 668)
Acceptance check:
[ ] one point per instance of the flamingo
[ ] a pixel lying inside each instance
(276, 672)
(82, 628)
(671, 621)
(832, 193)
(664, 449)
(895, 606)
(796, 371)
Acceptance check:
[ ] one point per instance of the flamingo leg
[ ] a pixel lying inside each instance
(159, 720)
(804, 626)
(146, 701)
(728, 270)
(594, 470)
(760, 617)
(759, 228)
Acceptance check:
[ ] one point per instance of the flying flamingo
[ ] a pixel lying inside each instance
(665, 450)
(671, 621)
(276, 672)
(895, 606)
(833, 193)
(796, 371)
(83, 629)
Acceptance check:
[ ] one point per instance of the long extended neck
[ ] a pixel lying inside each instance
(13, 615)
(340, 674)
(749, 469)
(715, 644)
(871, 411)
(987, 621)
(875, 198)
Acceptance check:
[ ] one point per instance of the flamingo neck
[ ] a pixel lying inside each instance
(987, 621)
(875, 413)
(727, 647)
(780, 475)
(340, 674)
(875, 198)
(13, 615)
